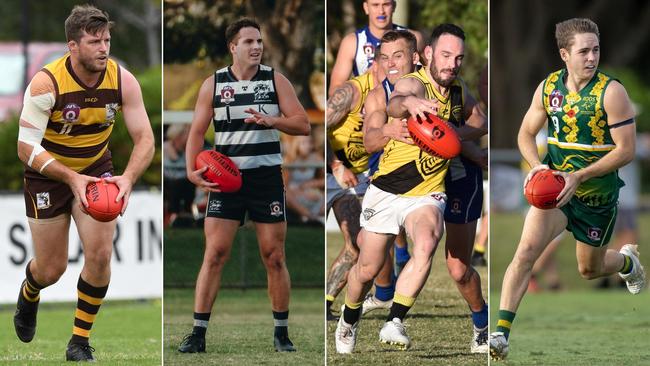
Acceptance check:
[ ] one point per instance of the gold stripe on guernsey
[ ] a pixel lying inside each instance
(81, 332)
(88, 318)
(504, 323)
(82, 119)
(89, 299)
(77, 164)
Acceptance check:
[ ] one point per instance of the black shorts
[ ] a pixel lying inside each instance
(261, 196)
(465, 193)
(46, 198)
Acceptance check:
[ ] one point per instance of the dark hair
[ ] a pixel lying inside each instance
(234, 28)
(85, 18)
(446, 28)
(566, 30)
(394, 35)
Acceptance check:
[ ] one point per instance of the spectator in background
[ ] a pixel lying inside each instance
(305, 184)
(179, 192)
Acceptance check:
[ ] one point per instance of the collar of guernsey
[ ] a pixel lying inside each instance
(346, 138)
(405, 169)
(367, 43)
(578, 133)
(83, 116)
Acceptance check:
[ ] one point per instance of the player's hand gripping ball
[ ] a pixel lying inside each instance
(221, 170)
(543, 188)
(434, 136)
(101, 201)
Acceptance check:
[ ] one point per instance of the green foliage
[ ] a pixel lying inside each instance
(11, 175)
(638, 91)
(472, 17)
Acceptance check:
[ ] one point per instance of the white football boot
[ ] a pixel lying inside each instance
(498, 346)
(635, 280)
(345, 336)
(394, 333)
(480, 341)
(372, 303)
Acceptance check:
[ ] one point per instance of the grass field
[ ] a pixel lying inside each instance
(241, 328)
(125, 333)
(304, 249)
(578, 325)
(439, 324)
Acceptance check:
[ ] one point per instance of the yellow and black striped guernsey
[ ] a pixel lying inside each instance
(82, 119)
(405, 169)
(346, 139)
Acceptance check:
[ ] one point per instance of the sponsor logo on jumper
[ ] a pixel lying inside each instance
(227, 94)
(262, 91)
(369, 50)
(555, 100)
(71, 112)
(111, 112)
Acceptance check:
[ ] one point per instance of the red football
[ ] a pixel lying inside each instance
(434, 136)
(543, 188)
(221, 170)
(101, 201)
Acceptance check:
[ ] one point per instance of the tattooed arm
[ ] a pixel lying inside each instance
(341, 102)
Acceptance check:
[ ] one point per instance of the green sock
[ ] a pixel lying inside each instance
(505, 322)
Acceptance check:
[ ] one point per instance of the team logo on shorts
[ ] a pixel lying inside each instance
(368, 213)
(455, 206)
(262, 93)
(215, 206)
(71, 112)
(227, 94)
(594, 233)
(276, 209)
(555, 100)
(43, 200)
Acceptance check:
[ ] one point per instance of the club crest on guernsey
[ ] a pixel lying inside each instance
(227, 94)
(555, 100)
(71, 112)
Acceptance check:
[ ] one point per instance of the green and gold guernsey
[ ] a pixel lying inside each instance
(346, 139)
(407, 170)
(578, 134)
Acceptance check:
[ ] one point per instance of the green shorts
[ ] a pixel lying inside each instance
(590, 225)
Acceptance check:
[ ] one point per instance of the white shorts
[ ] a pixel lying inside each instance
(385, 213)
(335, 191)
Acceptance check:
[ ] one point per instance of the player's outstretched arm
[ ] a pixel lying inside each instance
(408, 100)
(139, 127)
(376, 131)
(38, 102)
(620, 118)
(293, 120)
(475, 119)
(203, 113)
(340, 103)
(343, 65)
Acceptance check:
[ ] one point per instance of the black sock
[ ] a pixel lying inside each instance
(398, 310)
(351, 315)
(281, 321)
(328, 304)
(200, 323)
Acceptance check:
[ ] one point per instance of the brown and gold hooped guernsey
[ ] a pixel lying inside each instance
(405, 169)
(83, 116)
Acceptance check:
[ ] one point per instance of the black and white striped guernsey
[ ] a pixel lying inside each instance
(249, 145)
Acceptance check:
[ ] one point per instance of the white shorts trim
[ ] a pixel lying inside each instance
(385, 213)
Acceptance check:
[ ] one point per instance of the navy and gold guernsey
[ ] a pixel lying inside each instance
(578, 134)
(405, 169)
(346, 139)
(83, 116)
(249, 145)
